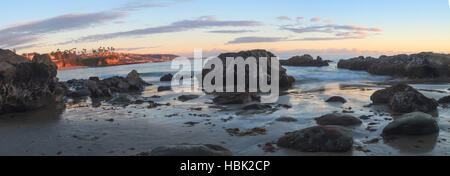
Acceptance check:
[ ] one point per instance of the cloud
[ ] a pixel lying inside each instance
(135, 49)
(184, 25)
(299, 18)
(316, 19)
(138, 5)
(328, 21)
(284, 18)
(256, 40)
(27, 32)
(232, 31)
(330, 28)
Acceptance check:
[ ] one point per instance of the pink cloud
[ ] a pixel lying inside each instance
(315, 19)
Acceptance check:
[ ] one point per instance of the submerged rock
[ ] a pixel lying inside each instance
(27, 85)
(305, 61)
(417, 123)
(191, 150)
(185, 98)
(166, 78)
(403, 98)
(257, 107)
(338, 119)
(286, 119)
(336, 99)
(421, 65)
(318, 139)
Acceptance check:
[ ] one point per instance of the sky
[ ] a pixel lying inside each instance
(285, 27)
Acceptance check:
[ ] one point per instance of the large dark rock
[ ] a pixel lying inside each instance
(318, 139)
(416, 123)
(191, 150)
(106, 87)
(305, 61)
(27, 85)
(422, 65)
(338, 119)
(403, 98)
(286, 81)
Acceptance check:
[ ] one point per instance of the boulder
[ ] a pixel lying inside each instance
(191, 150)
(286, 119)
(305, 61)
(421, 65)
(166, 78)
(403, 98)
(318, 139)
(185, 98)
(135, 82)
(285, 80)
(444, 100)
(338, 119)
(27, 85)
(336, 99)
(416, 123)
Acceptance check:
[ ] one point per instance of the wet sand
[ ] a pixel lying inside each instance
(80, 129)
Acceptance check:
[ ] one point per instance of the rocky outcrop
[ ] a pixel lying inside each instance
(97, 88)
(191, 150)
(403, 98)
(416, 123)
(422, 65)
(318, 139)
(338, 119)
(235, 98)
(27, 85)
(305, 61)
(285, 80)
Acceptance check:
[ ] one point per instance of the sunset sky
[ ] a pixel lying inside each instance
(286, 27)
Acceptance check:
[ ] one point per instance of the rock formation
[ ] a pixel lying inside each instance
(27, 85)
(422, 65)
(305, 61)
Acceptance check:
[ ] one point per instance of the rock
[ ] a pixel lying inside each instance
(384, 96)
(406, 102)
(444, 100)
(233, 98)
(185, 98)
(285, 80)
(305, 61)
(318, 139)
(338, 119)
(106, 87)
(122, 99)
(403, 98)
(135, 82)
(257, 107)
(27, 85)
(286, 119)
(337, 99)
(421, 65)
(164, 88)
(417, 123)
(166, 78)
(191, 150)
